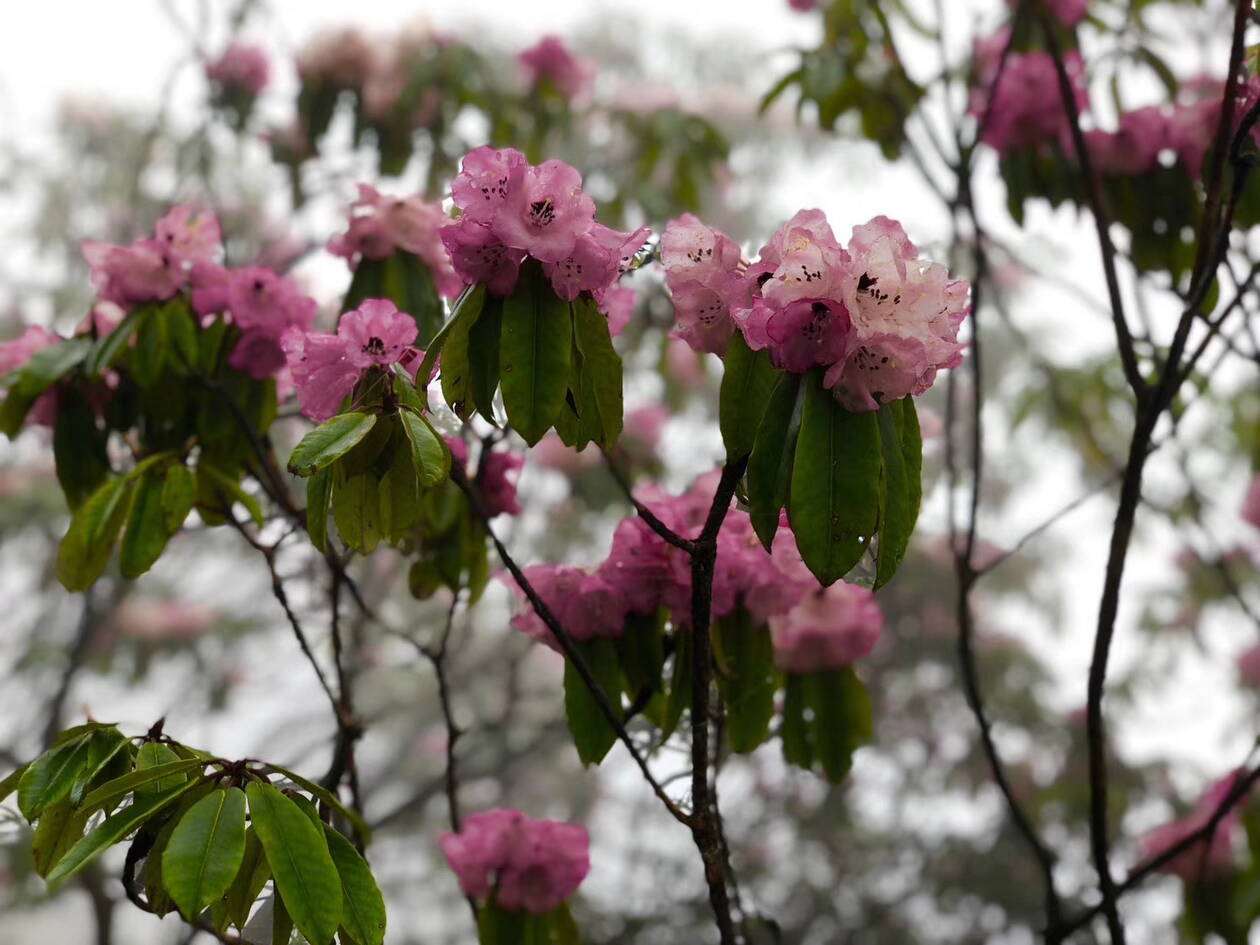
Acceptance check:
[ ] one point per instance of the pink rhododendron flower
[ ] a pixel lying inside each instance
(211, 288)
(530, 865)
(481, 186)
(14, 355)
(545, 211)
(617, 304)
(1249, 665)
(1026, 110)
(1133, 149)
(242, 66)
(325, 368)
(1204, 859)
(599, 256)
(702, 271)
(497, 479)
(829, 629)
(190, 233)
(145, 271)
(550, 61)
(265, 305)
(479, 257)
(1195, 118)
(586, 604)
(1251, 504)
(381, 225)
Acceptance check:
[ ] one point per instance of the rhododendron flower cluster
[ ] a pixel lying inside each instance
(1135, 146)
(1193, 120)
(828, 629)
(326, 367)
(643, 572)
(495, 477)
(241, 66)
(878, 319)
(510, 209)
(1204, 859)
(14, 355)
(550, 61)
(1026, 109)
(156, 268)
(529, 865)
(381, 225)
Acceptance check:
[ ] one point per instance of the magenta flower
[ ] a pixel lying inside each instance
(599, 256)
(325, 368)
(803, 6)
(586, 605)
(549, 60)
(617, 304)
(240, 66)
(497, 479)
(211, 288)
(530, 865)
(145, 271)
(809, 332)
(481, 186)
(1203, 860)
(829, 629)
(264, 305)
(1018, 117)
(545, 211)
(381, 225)
(190, 233)
(1135, 147)
(479, 257)
(1249, 665)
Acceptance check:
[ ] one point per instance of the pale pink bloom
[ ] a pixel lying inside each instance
(240, 66)
(381, 225)
(545, 211)
(145, 271)
(617, 304)
(211, 287)
(682, 365)
(585, 604)
(829, 629)
(552, 453)
(803, 6)
(265, 305)
(531, 865)
(154, 620)
(14, 355)
(644, 426)
(1249, 665)
(691, 251)
(376, 333)
(550, 61)
(191, 234)
(1020, 116)
(481, 186)
(1203, 860)
(1251, 504)
(598, 258)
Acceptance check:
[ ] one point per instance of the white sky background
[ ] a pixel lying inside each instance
(122, 49)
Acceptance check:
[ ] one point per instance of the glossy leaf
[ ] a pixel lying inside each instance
(329, 441)
(431, 455)
(179, 491)
(455, 371)
(591, 731)
(356, 509)
(51, 776)
(899, 509)
(318, 498)
(110, 793)
(59, 828)
(535, 351)
(298, 855)
(86, 548)
(483, 358)
(467, 308)
(770, 461)
(363, 913)
(746, 678)
(834, 501)
(601, 371)
(748, 380)
(104, 748)
(78, 449)
(249, 882)
(205, 851)
(227, 490)
(145, 535)
(157, 755)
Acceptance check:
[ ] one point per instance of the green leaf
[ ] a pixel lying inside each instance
(205, 851)
(903, 457)
(297, 853)
(563, 930)
(455, 369)
(748, 380)
(429, 452)
(497, 926)
(773, 452)
(797, 747)
(467, 308)
(154, 887)
(110, 793)
(601, 370)
(10, 782)
(535, 351)
(249, 882)
(152, 349)
(156, 755)
(326, 797)
(318, 498)
(834, 502)
(842, 719)
(227, 490)
(591, 731)
(78, 449)
(406, 392)
(329, 441)
(363, 914)
(281, 922)
(103, 747)
(399, 491)
(641, 653)
(111, 830)
(179, 489)
(356, 509)
(60, 827)
(105, 351)
(47, 366)
(421, 295)
(483, 358)
(746, 678)
(679, 681)
(182, 330)
(146, 535)
(86, 547)
(51, 776)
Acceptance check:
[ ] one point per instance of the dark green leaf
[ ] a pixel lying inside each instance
(318, 498)
(591, 731)
(467, 308)
(227, 490)
(455, 370)
(366, 283)
(111, 830)
(47, 366)
(10, 782)
(834, 502)
(205, 851)
(51, 776)
(746, 678)
(535, 351)
(564, 931)
(326, 797)
(363, 914)
(145, 536)
(179, 489)
(356, 509)
(300, 862)
(773, 452)
(152, 349)
(106, 350)
(104, 747)
(429, 452)
(60, 827)
(85, 549)
(110, 793)
(78, 448)
(249, 881)
(903, 454)
(329, 441)
(600, 370)
(156, 755)
(797, 747)
(842, 719)
(679, 681)
(748, 380)
(483, 357)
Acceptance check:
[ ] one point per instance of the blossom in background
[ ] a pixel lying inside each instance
(1251, 503)
(380, 225)
(1026, 109)
(1249, 665)
(326, 367)
(497, 480)
(1204, 859)
(510, 210)
(829, 629)
(702, 269)
(550, 61)
(342, 58)
(241, 66)
(530, 865)
(14, 355)
(585, 604)
(1135, 147)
